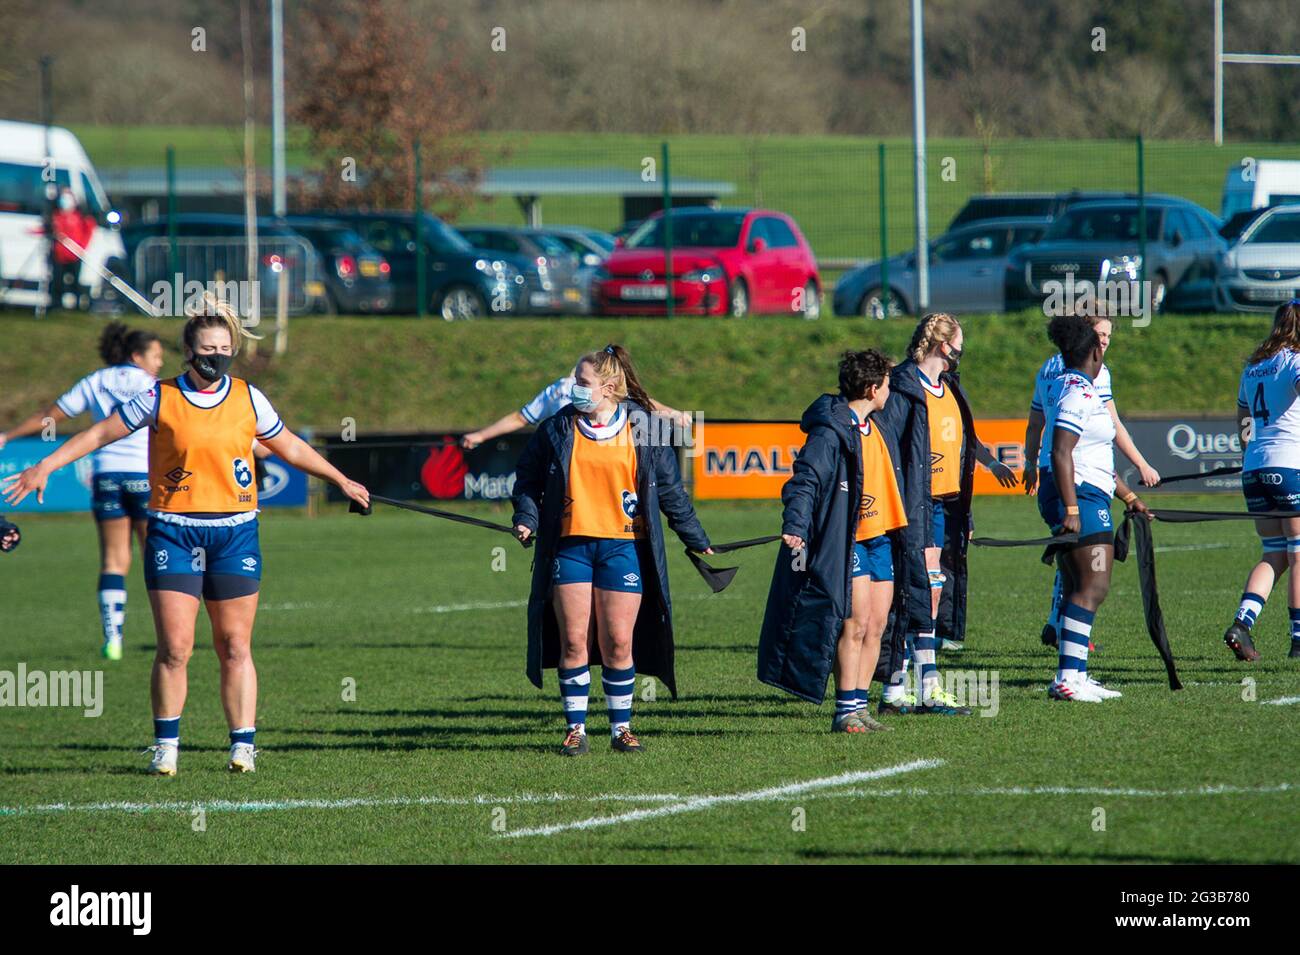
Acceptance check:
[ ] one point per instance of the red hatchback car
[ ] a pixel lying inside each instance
(725, 262)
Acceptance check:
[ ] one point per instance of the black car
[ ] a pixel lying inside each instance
(1027, 204)
(460, 281)
(356, 275)
(550, 277)
(1099, 241)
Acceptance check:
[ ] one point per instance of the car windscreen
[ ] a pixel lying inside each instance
(1277, 229)
(328, 237)
(1104, 224)
(22, 190)
(690, 231)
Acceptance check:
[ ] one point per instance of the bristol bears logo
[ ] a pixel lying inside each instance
(1103, 515)
(243, 473)
(630, 504)
(160, 559)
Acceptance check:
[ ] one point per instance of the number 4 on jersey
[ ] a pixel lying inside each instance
(1258, 408)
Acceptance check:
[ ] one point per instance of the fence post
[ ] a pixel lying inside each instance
(419, 237)
(668, 234)
(884, 240)
(173, 253)
(1142, 216)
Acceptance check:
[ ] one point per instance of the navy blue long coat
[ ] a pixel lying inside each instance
(541, 483)
(808, 601)
(906, 418)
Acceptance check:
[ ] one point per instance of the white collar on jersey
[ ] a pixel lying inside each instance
(602, 432)
(204, 399)
(935, 389)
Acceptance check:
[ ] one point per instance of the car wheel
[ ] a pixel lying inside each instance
(461, 301)
(873, 305)
(738, 299)
(812, 302)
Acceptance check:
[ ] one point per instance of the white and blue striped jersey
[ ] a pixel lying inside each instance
(102, 393)
(1077, 406)
(143, 409)
(550, 400)
(1268, 393)
(1049, 374)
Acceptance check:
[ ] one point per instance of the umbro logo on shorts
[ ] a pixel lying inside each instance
(631, 579)
(250, 563)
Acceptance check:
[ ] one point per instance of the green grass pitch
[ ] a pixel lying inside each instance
(447, 752)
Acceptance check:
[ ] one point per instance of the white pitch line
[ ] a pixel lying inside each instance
(1282, 701)
(697, 803)
(1173, 547)
(277, 805)
(1217, 790)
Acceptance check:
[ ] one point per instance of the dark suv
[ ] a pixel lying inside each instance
(1001, 205)
(1183, 248)
(460, 281)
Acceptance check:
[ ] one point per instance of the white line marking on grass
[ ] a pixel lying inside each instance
(277, 805)
(1172, 547)
(1218, 790)
(1282, 701)
(697, 803)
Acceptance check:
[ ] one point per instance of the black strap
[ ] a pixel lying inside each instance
(1193, 476)
(719, 577)
(356, 508)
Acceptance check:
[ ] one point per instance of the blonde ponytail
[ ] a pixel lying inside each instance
(213, 312)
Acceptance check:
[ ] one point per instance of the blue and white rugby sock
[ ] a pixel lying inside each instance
(923, 647)
(896, 688)
(864, 696)
(846, 703)
(575, 686)
(1295, 624)
(618, 686)
(167, 730)
(1251, 605)
(245, 734)
(1072, 649)
(112, 605)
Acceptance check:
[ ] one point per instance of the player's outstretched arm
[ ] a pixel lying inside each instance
(304, 457)
(1124, 441)
(18, 486)
(503, 425)
(33, 424)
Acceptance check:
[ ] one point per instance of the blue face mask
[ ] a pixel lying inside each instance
(584, 398)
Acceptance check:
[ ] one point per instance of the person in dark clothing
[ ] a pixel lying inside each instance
(930, 418)
(589, 486)
(834, 578)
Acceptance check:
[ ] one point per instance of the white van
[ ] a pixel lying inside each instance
(24, 251)
(1259, 184)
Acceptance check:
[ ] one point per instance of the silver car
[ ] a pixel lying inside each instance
(966, 271)
(1262, 270)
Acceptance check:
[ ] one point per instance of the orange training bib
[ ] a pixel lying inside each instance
(881, 508)
(945, 442)
(602, 499)
(201, 459)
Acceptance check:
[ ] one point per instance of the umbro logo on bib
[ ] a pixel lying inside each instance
(935, 458)
(176, 475)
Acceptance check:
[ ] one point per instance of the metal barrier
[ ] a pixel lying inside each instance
(221, 263)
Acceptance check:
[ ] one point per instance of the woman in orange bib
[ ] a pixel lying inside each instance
(833, 583)
(201, 541)
(929, 414)
(590, 486)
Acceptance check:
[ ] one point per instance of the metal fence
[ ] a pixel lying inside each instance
(221, 265)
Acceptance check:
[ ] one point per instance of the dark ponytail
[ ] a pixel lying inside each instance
(118, 343)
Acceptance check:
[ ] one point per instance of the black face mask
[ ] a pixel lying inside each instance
(954, 359)
(211, 367)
